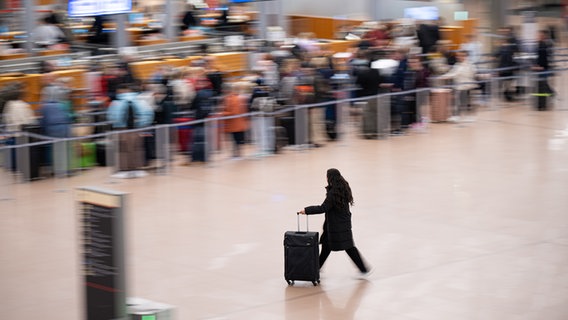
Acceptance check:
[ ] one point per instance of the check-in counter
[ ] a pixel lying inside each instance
(53, 52)
(11, 35)
(322, 27)
(191, 38)
(453, 34)
(10, 56)
(337, 45)
(147, 42)
(32, 84)
(78, 84)
(233, 64)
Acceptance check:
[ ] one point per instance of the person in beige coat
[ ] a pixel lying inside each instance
(463, 75)
(17, 113)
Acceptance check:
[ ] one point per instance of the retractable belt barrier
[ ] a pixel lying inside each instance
(285, 109)
(163, 131)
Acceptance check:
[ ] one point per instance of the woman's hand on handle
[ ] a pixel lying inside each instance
(302, 211)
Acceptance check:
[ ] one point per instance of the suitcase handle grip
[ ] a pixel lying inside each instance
(307, 226)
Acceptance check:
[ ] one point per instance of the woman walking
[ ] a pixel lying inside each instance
(337, 234)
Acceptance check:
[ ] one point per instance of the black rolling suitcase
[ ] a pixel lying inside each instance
(198, 147)
(301, 255)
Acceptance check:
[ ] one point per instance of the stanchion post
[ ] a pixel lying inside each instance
(215, 143)
(5, 193)
(263, 135)
(60, 158)
(112, 153)
(361, 108)
(422, 109)
(495, 93)
(257, 134)
(534, 90)
(300, 126)
(384, 111)
(208, 133)
(341, 122)
(270, 134)
(162, 150)
(23, 157)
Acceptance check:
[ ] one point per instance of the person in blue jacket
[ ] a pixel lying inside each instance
(128, 112)
(55, 121)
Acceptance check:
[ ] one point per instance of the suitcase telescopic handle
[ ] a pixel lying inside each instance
(307, 226)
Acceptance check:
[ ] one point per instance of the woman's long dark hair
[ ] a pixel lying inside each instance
(339, 189)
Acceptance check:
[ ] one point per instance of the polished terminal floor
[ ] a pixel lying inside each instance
(463, 221)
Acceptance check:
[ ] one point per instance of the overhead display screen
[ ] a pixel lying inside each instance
(86, 8)
(422, 13)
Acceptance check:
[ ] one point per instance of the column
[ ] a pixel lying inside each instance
(31, 20)
(498, 15)
(121, 37)
(168, 28)
(262, 19)
(270, 14)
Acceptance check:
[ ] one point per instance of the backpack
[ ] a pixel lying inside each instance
(203, 103)
(130, 115)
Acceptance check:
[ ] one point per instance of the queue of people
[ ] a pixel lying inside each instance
(279, 77)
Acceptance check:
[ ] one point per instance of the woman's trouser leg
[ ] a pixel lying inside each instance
(325, 251)
(356, 257)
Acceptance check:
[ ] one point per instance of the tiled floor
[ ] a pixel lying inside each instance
(462, 222)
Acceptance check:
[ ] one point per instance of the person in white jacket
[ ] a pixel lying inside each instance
(463, 75)
(17, 112)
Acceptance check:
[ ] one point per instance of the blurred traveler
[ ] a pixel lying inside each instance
(235, 105)
(47, 34)
(129, 112)
(17, 114)
(543, 67)
(463, 74)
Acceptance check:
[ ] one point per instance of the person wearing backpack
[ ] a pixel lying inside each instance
(127, 112)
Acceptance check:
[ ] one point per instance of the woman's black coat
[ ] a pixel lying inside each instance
(337, 225)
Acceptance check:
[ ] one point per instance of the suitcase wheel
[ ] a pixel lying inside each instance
(290, 282)
(315, 283)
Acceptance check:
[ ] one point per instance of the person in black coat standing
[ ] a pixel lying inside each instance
(337, 234)
(542, 67)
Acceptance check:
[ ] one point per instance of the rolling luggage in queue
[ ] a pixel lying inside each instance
(301, 255)
(289, 125)
(184, 134)
(35, 154)
(440, 105)
(85, 155)
(198, 144)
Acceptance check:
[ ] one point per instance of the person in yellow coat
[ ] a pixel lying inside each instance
(235, 105)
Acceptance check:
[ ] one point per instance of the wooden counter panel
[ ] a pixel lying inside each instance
(32, 90)
(191, 38)
(147, 42)
(13, 56)
(53, 52)
(78, 83)
(232, 61)
(323, 27)
(338, 45)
